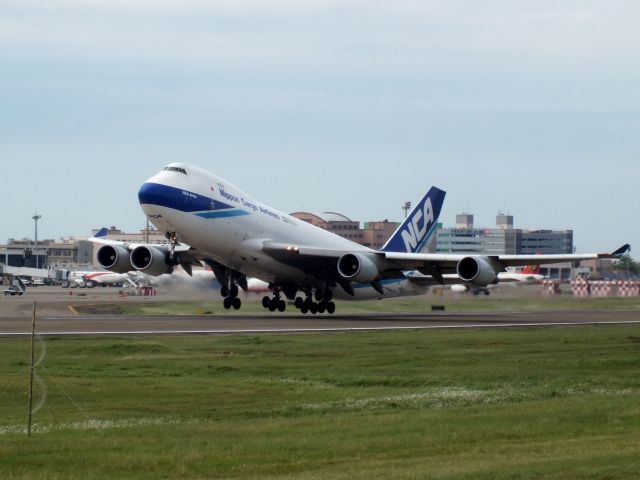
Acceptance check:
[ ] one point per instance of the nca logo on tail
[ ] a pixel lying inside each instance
(413, 234)
(417, 228)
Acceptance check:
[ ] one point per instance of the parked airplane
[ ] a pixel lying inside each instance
(90, 279)
(527, 276)
(239, 237)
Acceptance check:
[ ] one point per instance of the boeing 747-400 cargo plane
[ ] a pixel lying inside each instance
(208, 219)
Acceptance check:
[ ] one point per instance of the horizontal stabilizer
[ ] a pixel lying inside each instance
(622, 250)
(103, 232)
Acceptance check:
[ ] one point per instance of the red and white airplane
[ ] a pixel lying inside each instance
(527, 276)
(89, 279)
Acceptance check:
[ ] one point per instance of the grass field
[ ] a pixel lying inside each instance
(491, 404)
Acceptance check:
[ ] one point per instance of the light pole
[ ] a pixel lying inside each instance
(406, 206)
(35, 218)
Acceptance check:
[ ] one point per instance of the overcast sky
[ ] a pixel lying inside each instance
(530, 106)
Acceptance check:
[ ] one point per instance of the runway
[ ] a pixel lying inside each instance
(96, 325)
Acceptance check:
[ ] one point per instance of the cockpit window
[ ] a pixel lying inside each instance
(175, 169)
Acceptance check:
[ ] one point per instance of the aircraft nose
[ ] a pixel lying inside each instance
(150, 194)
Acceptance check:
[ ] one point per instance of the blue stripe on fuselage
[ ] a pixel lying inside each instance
(236, 212)
(179, 199)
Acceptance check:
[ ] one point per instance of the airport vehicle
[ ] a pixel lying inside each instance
(208, 219)
(38, 282)
(13, 291)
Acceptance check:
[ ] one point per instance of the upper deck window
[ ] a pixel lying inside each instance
(175, 169)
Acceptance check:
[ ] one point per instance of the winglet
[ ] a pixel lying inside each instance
(414, 232)
(626, 248)
(103, 232)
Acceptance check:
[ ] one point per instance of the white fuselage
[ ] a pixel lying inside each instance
(230, 227)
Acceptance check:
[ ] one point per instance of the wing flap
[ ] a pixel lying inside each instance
(304, 257)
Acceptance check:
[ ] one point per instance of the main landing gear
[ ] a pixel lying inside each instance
(274, 303)
(322, 304)
(230, 294)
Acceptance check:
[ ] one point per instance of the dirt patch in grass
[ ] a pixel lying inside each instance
(99, 309)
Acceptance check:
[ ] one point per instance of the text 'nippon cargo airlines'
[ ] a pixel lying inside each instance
(209, 220)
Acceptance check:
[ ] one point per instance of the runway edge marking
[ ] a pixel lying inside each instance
(322, 330)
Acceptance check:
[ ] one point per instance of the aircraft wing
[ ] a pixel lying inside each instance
(442, 268)
(417, 260)
(482, 269)
(300, 255)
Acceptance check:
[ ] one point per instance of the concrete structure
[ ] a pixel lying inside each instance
(373, 235)
(504, 221)
(503, 239)
(146, 235)
(64, 253)
(530, 242)
(69, 253)
(376, 234)
(23, 253)
(464, 221)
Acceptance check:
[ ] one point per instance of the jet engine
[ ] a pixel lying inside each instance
(150, 260)
(356, 267)
(477, 270)
(114, 258)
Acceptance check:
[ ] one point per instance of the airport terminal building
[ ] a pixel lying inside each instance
(503, 239)
(63, 253)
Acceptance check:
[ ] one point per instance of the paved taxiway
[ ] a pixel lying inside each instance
(261, 324)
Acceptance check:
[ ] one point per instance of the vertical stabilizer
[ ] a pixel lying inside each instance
(412, 235)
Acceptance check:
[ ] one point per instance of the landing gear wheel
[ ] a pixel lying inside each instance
(319, 295)
(281, 305)
(236, 303)
(226, 303)
(224, 291)
(331, 307)
(266, 301)
(233, 291)
(313, 308)
(321, 307)
(299, 302)
(328, 295)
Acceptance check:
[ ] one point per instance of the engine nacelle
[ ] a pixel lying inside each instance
(114, 258)
(356, 267)
(150, 260)
(477, 270)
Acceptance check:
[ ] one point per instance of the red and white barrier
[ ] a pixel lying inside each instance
(601, 288)
(627, 288)
(580, 288)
